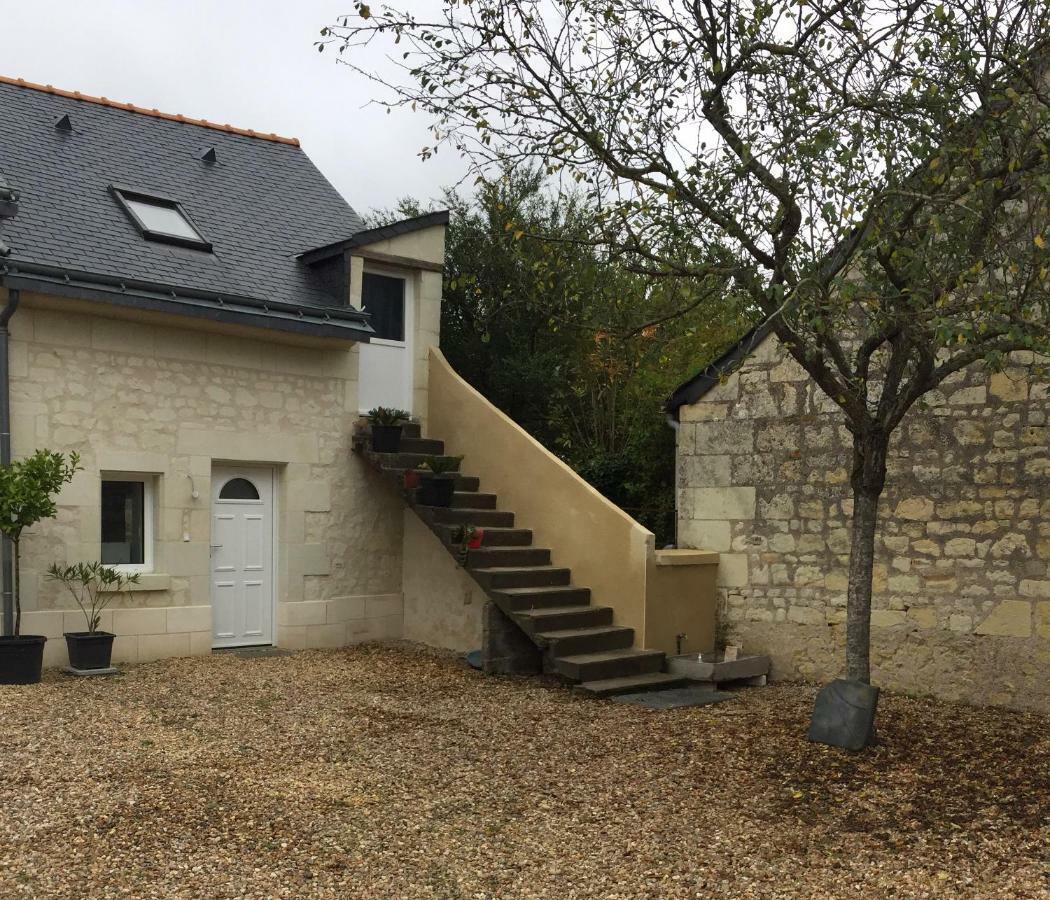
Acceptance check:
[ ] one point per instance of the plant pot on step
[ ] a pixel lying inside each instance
(386, 438)
(89, 649)
(436, 490)
(21, 658)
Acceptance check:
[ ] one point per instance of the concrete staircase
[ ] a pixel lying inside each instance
(578, 640)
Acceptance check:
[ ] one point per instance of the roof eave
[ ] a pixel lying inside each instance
(374, 235)
(707, 378)
(307, 321)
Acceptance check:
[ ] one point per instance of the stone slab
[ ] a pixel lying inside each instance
(88, 673)
(674, 698)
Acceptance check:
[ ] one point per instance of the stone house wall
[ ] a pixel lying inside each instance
(168, 402)
(962, 575)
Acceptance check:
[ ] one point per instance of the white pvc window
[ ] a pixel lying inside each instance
(127, 521)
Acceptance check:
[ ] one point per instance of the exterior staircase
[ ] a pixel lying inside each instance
(578, 639)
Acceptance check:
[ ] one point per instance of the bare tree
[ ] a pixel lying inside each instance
(872, 176)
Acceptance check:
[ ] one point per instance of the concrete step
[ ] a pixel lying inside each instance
(486, 518)
(498, 577)
(488, 557)
(608, 664)
(630, 684)
(403, 460)
(464, 483)
(428, 446)
(536, 597)
(558, 618)
(473, 500)
(493, 537)
(590, 639)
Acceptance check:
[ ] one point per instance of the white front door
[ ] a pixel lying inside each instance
(241, 556)
(386, 374)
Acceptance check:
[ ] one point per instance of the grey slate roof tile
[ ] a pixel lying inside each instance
(259, 204)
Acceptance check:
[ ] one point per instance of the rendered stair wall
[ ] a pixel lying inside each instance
(660, 594)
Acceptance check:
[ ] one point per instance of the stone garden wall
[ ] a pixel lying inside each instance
(962, 576)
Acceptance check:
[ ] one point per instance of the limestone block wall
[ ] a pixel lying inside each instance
(134, 396)
(962, 575)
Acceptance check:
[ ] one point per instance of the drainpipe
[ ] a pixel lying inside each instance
(7, 552)
(8, 210)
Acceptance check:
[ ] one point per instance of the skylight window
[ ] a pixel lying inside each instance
(160, 219)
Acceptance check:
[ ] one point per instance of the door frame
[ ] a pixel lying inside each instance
(409, 343)
(274, 545)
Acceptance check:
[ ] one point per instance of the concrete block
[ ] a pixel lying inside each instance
(345, 609)
(200, 643)
(732, 570)
(383, 605)
(292, 637)
(704, 535)
(189, 618)
(722, 503)
(140, 621)
(505, 650)
(163, 646)
(330, 636)
(1011, 618)
(301, 613)
(125, 648)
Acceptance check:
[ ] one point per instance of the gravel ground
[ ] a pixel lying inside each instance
(395, 772)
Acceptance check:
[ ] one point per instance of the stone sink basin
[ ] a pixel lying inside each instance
(713, 668)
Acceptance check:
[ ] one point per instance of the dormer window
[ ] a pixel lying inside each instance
(160, 219)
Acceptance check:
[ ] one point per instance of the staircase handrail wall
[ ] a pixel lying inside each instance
(607, 550)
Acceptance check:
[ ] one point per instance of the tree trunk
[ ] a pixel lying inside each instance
(867, 479)
(18, 592)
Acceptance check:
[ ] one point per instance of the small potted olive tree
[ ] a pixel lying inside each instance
(93, 586)
(28, 488)
(437, 480)
(387, 425)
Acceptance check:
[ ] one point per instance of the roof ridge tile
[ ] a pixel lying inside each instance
(155, 113)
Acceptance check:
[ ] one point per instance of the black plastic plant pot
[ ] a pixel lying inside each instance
(21, 658)
(436, 490)
(89, 650)
(386, 438)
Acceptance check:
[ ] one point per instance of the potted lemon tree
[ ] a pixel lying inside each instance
(28, 488)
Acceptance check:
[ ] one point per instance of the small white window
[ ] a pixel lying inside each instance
(127, 521)
(160, 219)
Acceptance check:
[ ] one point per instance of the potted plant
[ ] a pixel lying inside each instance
(27, 494)
(469, 537)
(386, 428)
(93, 587)
(437, 480)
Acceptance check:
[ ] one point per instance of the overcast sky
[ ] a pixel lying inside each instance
(250, 63)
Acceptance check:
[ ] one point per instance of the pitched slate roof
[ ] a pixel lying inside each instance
(259, 203)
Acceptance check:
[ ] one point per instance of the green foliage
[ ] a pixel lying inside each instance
(441, 465)
(28, 488)
(93, 586)
(577, 349)
(382, 415)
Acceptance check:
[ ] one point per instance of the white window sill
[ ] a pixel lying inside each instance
(148, 581)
